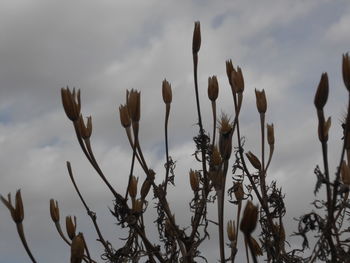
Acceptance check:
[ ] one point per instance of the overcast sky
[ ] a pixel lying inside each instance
(105, 47)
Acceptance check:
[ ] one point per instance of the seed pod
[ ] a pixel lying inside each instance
(238, 191)
(270, 134)
(321, 95)
(249, 219)
(194, 180)
(229, 70)
(133, 187)
(71, 103)
(137, 206)
(345, 173)
(213, 88)
(71, 227)
(231, 230)
(196, 42)
(225, 138)
(261, 103)
(77, 249)
(85, 130)
(124, 116)
(134, 105)
(54, 211)
(323, 137)
(239, 80)
(146, 186)
(256, 247)
(346, 70)
(166, 92)
(253, 160)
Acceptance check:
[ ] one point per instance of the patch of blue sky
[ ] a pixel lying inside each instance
(6, 115)
(50, 142)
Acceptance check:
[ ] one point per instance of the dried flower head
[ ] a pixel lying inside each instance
(196, 43)
(346, 70)
(249, 219)
(71, 226)
(54, 211)
(166, 92)
(213, 88)
(194, 180)
(231, 230)
(71, 103)
(253, 160)
(216, 159)
(133, 187)
(321, 95)
(261, 103)
(124, 116)
(270, 134)
(17, 212)
(77, 249)
(85, 130)
(134, 106)
(236, 80)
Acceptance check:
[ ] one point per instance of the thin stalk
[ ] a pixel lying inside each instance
(213, 106)
(24, 241)
(89, 212)
(167, 111)
(252, 249)
(262, 172)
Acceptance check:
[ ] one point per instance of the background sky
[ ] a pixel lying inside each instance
(105, 47)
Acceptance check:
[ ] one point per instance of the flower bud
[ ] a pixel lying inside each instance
(194, 180)
(346, 70)
(321, 95)
(133, 187)
(166, 92)
(261, 103)
(213, 88)
(270, 134)
(239, 80)
(253, 160)
(77, 249)
(196, 42)
(249, 219)
(124, 116)
(71, 103)
(54, 211)
(231, 230)
(71, 227)
(134, 105)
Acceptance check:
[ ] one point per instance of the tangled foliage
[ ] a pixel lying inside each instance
(328, 223)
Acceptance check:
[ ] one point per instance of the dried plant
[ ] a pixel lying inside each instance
(263, 199)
